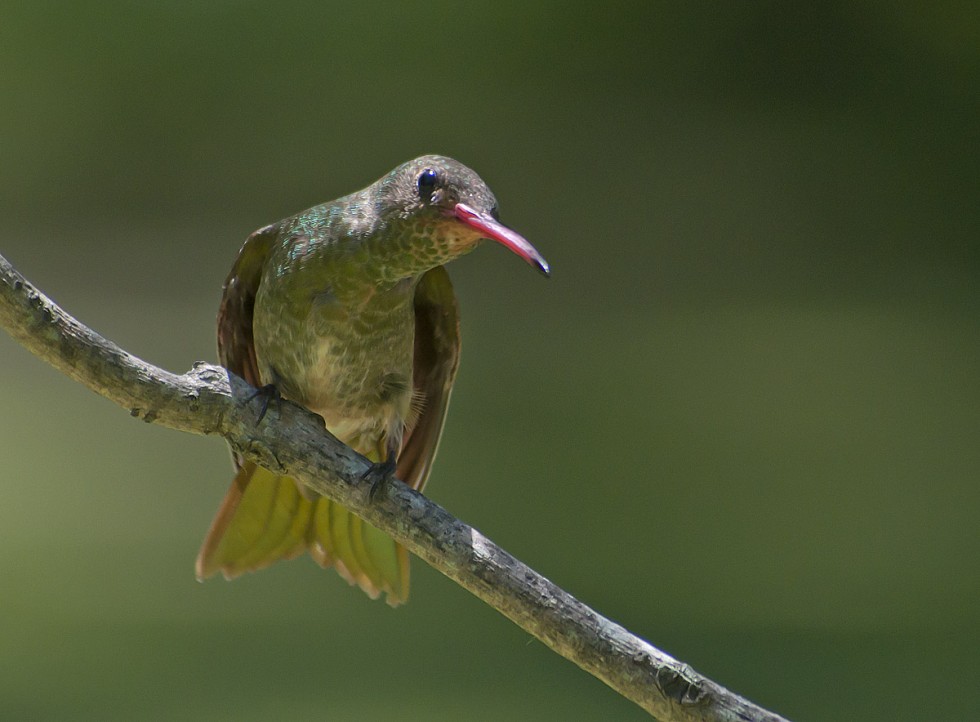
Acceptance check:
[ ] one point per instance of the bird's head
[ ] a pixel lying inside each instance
(443, 209)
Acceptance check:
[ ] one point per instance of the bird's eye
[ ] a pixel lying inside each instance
(427, 184)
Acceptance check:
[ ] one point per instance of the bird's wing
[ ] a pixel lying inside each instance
(236, 347)
(436, 361)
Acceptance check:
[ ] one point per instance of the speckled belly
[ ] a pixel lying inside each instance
(353, 367)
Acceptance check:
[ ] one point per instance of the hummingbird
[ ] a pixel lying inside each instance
(347, 309)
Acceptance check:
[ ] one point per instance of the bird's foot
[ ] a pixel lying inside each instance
(379, 474)
(269, 393)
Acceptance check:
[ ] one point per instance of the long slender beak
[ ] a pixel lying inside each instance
(496, 231)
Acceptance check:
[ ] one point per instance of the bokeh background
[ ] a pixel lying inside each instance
(743, 418)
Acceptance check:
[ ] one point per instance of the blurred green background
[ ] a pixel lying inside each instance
(742, 419)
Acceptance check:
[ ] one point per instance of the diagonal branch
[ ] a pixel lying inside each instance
(209, 400)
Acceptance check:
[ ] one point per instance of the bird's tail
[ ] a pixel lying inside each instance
(265, 518)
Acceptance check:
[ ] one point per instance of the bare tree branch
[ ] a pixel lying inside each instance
(208, 400)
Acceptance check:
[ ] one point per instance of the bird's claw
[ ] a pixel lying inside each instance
(269, 392)
(379, 474)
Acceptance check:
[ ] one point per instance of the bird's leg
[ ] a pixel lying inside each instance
(269, 393)
(380, 473)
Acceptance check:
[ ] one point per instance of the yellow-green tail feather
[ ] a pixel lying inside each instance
(265, 518)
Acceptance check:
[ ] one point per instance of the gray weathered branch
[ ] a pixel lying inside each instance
(209, 400)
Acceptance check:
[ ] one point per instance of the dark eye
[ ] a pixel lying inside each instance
(427, 184)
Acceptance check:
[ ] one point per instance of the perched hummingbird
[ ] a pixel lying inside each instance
(346, 309)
